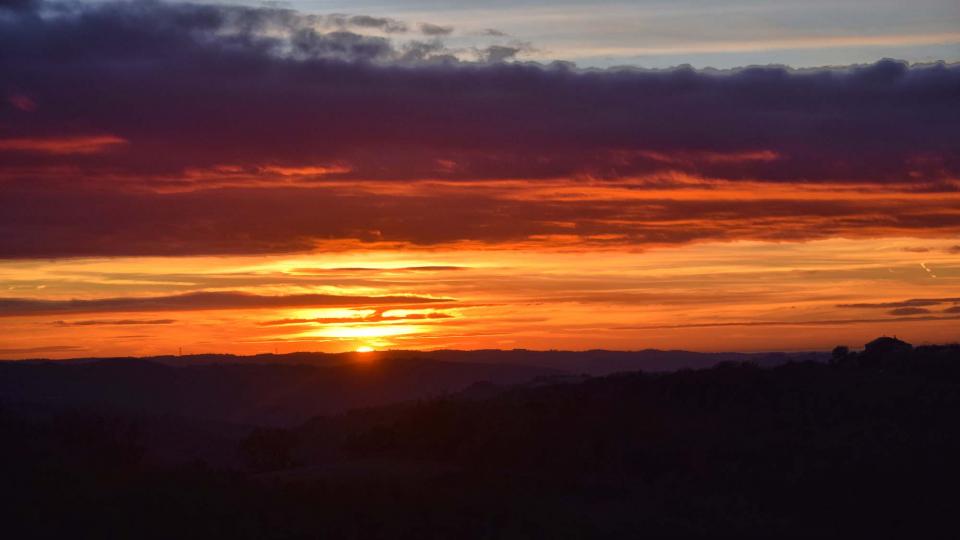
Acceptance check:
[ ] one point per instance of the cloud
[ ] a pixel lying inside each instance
(153, 117)
(810, 323)
(501, 53)
(22, 102)
(15, 5)
(435, 30)
(422, 51)
(42, 350)
(909, 311)
(912, 303)
(309, 44)
(356, 269)
(258, 86)
(78, 221)
(92, 144)
(365, 21)
(113, 322)
(24, 307)
(376, 317)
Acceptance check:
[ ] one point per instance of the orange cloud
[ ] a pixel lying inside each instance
(314, 170)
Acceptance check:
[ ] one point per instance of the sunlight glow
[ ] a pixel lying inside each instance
(365, 331)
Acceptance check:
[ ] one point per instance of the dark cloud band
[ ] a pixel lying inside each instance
(61, 221)
(200, 85)
(119, 119)
(23, 307)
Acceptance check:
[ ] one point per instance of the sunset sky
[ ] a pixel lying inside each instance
(725, 175)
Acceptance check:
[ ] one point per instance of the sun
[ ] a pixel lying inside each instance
(364, 348)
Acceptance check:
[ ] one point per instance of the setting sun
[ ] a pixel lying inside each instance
(364, 349)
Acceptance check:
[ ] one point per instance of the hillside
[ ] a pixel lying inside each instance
(244, 392)
(864, 445)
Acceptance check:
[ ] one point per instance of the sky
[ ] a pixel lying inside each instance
(702, 33)
(332, 176)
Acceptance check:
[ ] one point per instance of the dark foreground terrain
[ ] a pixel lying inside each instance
(866, 444)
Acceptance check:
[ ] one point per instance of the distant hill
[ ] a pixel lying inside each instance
(201, 406)
(592, 362)
(286, 389)
(242, 391)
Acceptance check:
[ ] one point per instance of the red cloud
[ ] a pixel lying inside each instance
(85, 144)
(22, 102)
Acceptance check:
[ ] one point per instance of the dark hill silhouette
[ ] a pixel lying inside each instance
(286, 389)
(200, 406)
(800, 450)
(887, 345)
(593, 362)
(862, 446)
(241, 392)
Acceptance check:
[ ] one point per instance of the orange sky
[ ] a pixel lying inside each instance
(744, 295)
(250, 178)
(669, 261)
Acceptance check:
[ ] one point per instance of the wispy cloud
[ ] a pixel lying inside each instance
(113, 322)
(91, 144)
(810, 323)
(370, 269)
(435, 29)
(50, 349)
(912, 303)
(22, 307)
(377, 317)
(746, 46)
